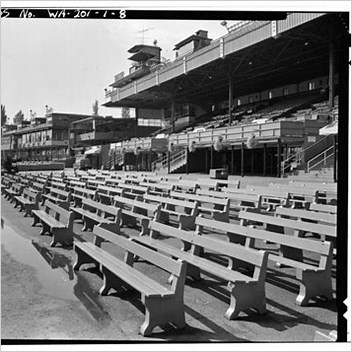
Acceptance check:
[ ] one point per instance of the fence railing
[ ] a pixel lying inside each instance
(320, 159)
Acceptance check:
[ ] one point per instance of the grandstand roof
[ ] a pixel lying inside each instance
(254, 59)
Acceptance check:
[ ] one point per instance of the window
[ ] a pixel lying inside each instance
(311, 85)
(270, 95)
(238, 102)
(250, 100)
(285, 91)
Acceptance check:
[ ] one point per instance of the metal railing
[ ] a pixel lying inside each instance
(323, 157)
(298, 157)
(176, 160)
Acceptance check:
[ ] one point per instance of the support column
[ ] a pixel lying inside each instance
(232, 160)
(335, 158)
(242, 159)
(206, 161)
(168, 162)
(331, 74)
(187, 155)
(211, 157)
(230, 99)
(279, 148)
(264, 160)
(252, 161)
(173, 114)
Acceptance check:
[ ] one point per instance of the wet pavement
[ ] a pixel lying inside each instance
(43, 298)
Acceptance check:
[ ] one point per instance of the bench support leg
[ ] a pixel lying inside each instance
(82, 258)
(313, 284)
(88, 224)
(160, 312)
(45, 229)
(110, 281)
(245, 296)
(63, 236)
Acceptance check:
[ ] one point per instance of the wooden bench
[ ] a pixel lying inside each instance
(238, 201)
(229, 184)
(323, 208)
(133, 191)
(306, 215)
(183, 212)
(59, 185)
(186, 185)
(93, 212)
(56, 220)
(163, 305)
(80, 193)
(315, 280)
(134, 212)
(300, 196)
(287, 226)
(16, 189)
(208, 184)
(94, 184)
(105, 194)
(71, 184)
(271, 198)
(158, 188)
(246, 291)
(218, 208)
(58, 197)
(28, 201)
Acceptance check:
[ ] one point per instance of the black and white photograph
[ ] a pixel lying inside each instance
(175, 176)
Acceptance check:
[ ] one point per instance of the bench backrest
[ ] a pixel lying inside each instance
(31, 195)
(243, 199)
(60, 214)
(100, 208)
(139, 207)
(273, 221)
(207, 183)
(257, 258)
(189, 207)
(307, 215)
(323, 248)
(175, 267)
(59, 185)
(321, 186)
(60, 194)
(38, 186)
(216, 203)
(324, 208)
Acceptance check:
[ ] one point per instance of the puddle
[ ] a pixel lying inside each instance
(54, 271)
(55, 283)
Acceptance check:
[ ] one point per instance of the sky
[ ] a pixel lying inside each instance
(66, 64)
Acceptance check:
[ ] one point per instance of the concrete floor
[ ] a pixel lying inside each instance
(43, 298)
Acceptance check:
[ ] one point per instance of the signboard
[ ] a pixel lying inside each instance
(159, 144)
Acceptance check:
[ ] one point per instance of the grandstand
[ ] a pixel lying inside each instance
(276, 82)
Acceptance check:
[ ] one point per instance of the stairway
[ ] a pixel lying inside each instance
(178, 160)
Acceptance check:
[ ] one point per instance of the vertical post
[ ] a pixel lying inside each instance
(230, 100)
(279, 147)
(335, 158)
(168, 162)
(187, 159)
(252, 161)
(264, 160)
(242, 159)
(211, 157)
(232, 160)
(173, 114)
(331, 73)
(206, 161)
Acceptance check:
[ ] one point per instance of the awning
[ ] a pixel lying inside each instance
(93, 150)
(332, 128)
